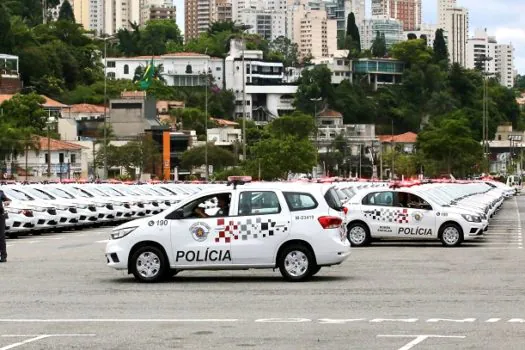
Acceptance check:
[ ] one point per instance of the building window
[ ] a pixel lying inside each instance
(111, 64)
(189, 69)
(126, 69)
(46, 158)
(499, 137)
(73, 158)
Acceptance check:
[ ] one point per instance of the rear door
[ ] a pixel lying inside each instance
(381, 215)
(261, 225)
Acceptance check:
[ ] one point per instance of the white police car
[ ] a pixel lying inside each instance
(404, 213)
(295, 227)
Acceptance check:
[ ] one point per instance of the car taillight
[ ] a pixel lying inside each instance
(345, 210)
(28, 213)
(329, 222)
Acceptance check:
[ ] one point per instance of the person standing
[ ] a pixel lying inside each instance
(3, 248)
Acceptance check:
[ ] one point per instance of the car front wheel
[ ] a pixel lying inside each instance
(148, 264)
(297, 263)
(451, 235)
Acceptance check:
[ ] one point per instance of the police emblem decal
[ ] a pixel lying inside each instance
(200, 231)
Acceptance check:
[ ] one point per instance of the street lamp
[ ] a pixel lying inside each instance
(49, 121)
(315, 100)
(485, 117)
(243, 28)
(106, 37)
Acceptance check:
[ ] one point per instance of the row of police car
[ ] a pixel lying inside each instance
(297, 227)
(37, 208)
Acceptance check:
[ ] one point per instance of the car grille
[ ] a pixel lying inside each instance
(109, 206)
(73, 210)
(155, 204)
(52, 211)
(92, 208)
(140, 205)
(127, 206)
(167, 203)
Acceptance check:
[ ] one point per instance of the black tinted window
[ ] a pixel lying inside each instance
(379, 198)
(300, 201)
(332, 199)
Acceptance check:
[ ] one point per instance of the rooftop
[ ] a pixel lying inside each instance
(58, 145)
(330, 113)
(407, 137)
(49, 103)
(224, 122)
(86, 108)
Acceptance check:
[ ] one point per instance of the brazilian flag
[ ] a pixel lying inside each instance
(147, 77)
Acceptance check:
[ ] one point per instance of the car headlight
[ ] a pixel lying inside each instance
(122, 232)
(471, 218)
(62, 207)
(81, 206)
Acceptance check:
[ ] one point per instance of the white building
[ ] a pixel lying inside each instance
(119, 13)
(339, 65)
(269, 24)
(505, 64)
(391, 28)
(179, 69)
(66, 160)
(443, 6)
(267, 97)
(457, 27)
(314, 33)
(225, 134)
(479, 46)
(428, 30)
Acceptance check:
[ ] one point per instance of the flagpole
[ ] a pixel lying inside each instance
(105, 174)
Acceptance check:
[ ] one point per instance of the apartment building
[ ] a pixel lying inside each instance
(197, 17)
(156, 9)
(457, 27)
(505, 64)
(443, 5)
(408, 12)
(480, 46)
(118, 14)
(315, 34)
(391, 28)
(269, 24)
(222, 11)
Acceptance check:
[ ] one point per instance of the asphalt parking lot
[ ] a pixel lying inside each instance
(57, 293)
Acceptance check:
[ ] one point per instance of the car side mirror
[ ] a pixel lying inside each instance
(176, 214)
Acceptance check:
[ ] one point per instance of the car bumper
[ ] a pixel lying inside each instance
(117, 253)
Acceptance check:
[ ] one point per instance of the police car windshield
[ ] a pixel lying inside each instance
(15, 194)
(40, 194)
(433, 198)
(171, 191)
(95, 191)
(158, 191)
(59, 193)
(113, 191)
(129, 191)
(77, 192)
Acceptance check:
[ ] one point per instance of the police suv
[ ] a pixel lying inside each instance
(406, 213)
(294, 227)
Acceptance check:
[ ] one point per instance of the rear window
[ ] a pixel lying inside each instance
(332, 199)
(300, 201)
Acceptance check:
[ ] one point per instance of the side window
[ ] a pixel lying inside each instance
(300, 201)
(258, 203)
(379, 198)
(410, 200)
(216, 205)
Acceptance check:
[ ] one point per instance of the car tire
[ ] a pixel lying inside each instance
(148, 264)
(451, 235)
(296, 263)
(358, 234)
(12, 235)
(173, 272)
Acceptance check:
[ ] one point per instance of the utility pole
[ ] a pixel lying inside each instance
(243, 103)
(206, 119)
(44, 11)
(393, 151)
(105, 175)
(48, 149)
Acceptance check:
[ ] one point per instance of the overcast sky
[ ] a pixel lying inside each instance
(504, 19)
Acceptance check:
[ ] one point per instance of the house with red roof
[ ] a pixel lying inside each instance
(62, 159)
(405, 142)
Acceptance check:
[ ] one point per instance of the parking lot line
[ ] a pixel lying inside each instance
(113, 320)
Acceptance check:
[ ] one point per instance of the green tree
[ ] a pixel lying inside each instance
(66, 12)
(520, 82)
(379, 45)
(217, 156)
(314, 83)
(6, 37)
(297, 124)
(448, 141)
(440, 48)
(157, 35)
(352, 38)
(287, 49)
(412, 52)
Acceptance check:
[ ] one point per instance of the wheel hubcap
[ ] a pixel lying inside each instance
(357, 235)
(296, 263)
(148, 264)
(451, 235)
